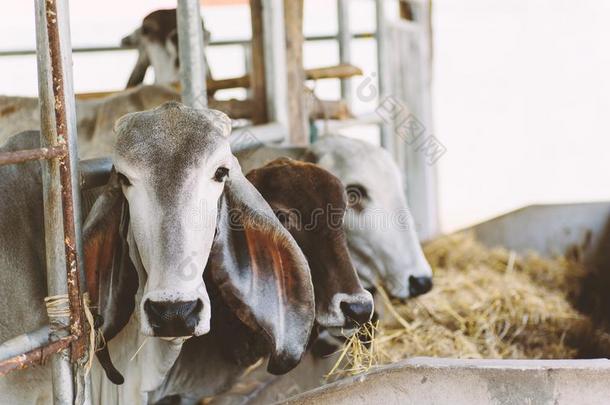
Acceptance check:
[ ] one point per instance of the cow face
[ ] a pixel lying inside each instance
(172, 185)
(157, 43)
(380, 231)
(180, 204)
(310, 202)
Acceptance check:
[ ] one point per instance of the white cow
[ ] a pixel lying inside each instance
(176, 204)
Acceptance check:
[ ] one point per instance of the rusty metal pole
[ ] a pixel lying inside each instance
(61, 192)
(190, 50)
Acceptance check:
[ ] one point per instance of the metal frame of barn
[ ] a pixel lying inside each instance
(276, 71)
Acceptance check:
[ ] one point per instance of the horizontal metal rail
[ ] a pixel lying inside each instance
(20, 156)
(36, 356)
(257, 135)
(24, 343)
(228, 42)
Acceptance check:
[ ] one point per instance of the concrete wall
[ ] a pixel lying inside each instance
(470, 382)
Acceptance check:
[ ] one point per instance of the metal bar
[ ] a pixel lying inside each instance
(247, 50)
(251, 137)
(24, 343)
(345, 39)
(386, 130)
(192, 60)
(274, 39)
(9, 158)
(62, 199)
(63, 382)
(228, 42)
(66, 134)
(38, 356)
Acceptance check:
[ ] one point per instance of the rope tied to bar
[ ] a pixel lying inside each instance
(58, 309)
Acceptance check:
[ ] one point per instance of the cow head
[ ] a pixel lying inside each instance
(310, 202)
(157, 43)
(177, 203)
(380, 231)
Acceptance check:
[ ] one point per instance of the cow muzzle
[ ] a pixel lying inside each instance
(419, 285)
(356, 313)
(347, 313)
(173, 319)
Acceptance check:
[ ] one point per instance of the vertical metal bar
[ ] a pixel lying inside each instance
(274, 39)
(60, 183)
(247, 50)
(345, 42)
(422, 175)
(386, 130)
(190, 49)
(57, 279)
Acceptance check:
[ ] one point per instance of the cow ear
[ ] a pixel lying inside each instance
(310, 156)
(111, 278)
(261, 273)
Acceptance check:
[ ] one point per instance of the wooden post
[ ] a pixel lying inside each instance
(410, 68)
(386, 131)
(295, 74)
(406, 10)
(345, 43)
(257, 74)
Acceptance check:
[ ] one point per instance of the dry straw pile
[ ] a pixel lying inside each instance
(486, 303)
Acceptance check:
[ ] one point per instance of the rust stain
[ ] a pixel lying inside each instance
(33, 357)
(65, 170)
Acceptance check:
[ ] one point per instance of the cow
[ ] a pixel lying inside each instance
(381, 234)
(310, 202)
(371, 178)
(95, 117)
(157, 43)
(382, 243)
(176, 203)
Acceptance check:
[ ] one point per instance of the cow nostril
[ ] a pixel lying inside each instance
(192, 313)
(360, 312)
(180, 315)
(419, 285)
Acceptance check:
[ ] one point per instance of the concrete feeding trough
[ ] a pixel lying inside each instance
(548, 230)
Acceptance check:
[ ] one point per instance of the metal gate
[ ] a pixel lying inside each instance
(63, 244)
(65, 340)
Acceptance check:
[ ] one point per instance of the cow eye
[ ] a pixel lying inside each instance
(356, 196)
(123, 180)
(221, 174)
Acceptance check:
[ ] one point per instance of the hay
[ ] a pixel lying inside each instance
(486, 303)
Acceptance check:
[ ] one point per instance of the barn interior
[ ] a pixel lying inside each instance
(517, 307)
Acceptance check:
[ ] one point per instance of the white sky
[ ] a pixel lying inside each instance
(521, 91)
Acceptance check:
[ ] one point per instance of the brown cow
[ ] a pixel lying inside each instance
(157, 43)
